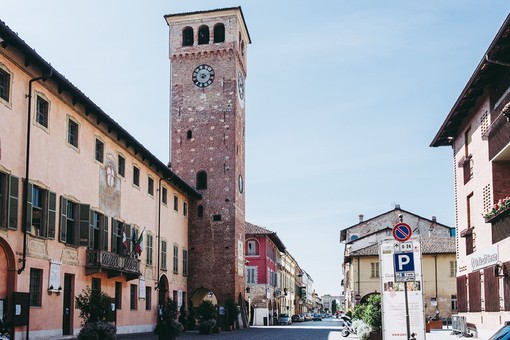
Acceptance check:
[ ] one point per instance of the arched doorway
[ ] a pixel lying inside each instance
(7, 276)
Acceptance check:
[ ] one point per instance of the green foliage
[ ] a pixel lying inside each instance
(359, 311)
(372, 315)
(232, 311)
(167, 325)
(206, 310)
(333, 306)
(99, 330)
(94, 306)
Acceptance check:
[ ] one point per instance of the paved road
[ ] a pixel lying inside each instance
(328, 329)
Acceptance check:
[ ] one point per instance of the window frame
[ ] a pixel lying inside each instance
(133, 297)
(175, 267)
(163, 255)
(184, 262)
(121, 165)
(99, 142)
(7, 99)
(41, 97)
(150, 185)
(35, 288)
(374, 270)
(136, 176)
(149, 248)
(73, 137)
(164, 195)
(176, 203)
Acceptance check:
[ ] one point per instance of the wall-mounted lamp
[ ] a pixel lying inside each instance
(500, 270)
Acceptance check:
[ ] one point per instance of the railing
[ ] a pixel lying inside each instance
(115, 264)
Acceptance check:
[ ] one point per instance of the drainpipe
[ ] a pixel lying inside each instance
(27, 168)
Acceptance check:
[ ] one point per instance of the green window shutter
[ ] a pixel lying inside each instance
(28, 224)
(93, 218)
(129, 248)
(85, 225)
(63, 220)
(115, 225)
(105, 233)
(13, 202)
(52, 215)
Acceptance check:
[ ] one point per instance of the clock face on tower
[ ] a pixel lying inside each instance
(203, 75)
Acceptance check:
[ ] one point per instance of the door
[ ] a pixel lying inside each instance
(67, 319)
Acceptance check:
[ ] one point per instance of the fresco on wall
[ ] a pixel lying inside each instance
(109, 188)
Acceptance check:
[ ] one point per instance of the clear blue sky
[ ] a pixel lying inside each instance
(343, 99)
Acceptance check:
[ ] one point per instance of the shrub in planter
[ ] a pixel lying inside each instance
(372, 315)
(232, 312)
(168, 327)
(95, 310)
(206, 310)
(98, 330)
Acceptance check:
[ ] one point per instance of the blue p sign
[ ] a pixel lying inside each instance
(404, 262)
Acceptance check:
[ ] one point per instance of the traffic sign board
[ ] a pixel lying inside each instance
(404, 262)
(402, 232)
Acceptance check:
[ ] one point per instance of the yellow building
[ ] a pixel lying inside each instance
(75, 188)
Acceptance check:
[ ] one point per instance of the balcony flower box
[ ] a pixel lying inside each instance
(498, 210)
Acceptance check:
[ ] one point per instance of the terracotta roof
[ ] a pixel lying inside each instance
(252, 229)
(429, 245)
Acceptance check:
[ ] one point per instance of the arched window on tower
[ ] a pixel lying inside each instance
(203, 35)
(200, 211)
(201, 180)
(189, 134)
(187, 36)
(219, 33)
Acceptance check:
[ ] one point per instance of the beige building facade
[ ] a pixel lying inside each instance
(75, 189)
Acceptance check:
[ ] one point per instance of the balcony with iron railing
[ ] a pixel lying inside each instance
(498, 136)
(111, 263)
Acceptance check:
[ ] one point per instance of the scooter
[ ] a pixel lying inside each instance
(5, 333)
(347, 329)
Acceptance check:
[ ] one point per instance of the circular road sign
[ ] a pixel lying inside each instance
(402, 232)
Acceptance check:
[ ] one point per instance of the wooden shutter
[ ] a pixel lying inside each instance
(506, 287)
(84, 225)
(461, 294)
(115, 225)
(28, 223)
(63, 220)
(475, 299)
(129, 248)
(52, 214)
(92, 232)
(104, 233)
(13, 202)
(491, 288)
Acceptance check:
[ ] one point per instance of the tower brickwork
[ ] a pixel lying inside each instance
(207, 136)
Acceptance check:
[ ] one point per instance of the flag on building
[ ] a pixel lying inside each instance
(124, 237)
(137, 245)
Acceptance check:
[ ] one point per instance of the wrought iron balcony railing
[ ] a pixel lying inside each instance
(113, 264)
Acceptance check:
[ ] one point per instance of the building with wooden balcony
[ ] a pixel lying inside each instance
(76, 189)
(477, 128)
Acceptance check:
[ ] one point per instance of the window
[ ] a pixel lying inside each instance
(136, 176)
(150, 186)
(119, 229)
(42, 111)
(453, 268)
(98, 231)
(252, 247)
(187, 36)
(132, 297)
(200, 211)
(374, 266)
(189, 134)
(149, 249)
(176, 203)
(72, 132)
(251, 275)
(468, 162)
(164, 195)
(203, 35)
(185, 209)
(176, 258)
(118, 295)
(219, 33)
(5, 85)
(148, 298)
(216, 218)
(184, 262)
(454, 303)
(9, 191)
(41, 211)
(96, 285)
(201, 180)
(35, 287)
(469, 234)
(121, 166)
(71, 230)
(99, 151)
(163, 255)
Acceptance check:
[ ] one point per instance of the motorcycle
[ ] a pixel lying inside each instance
(347, 329)
(5, 333)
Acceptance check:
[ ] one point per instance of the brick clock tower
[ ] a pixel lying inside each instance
(207, 142)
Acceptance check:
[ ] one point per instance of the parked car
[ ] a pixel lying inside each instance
(317, 317)
(308, 316)
(503, 333)
(284, 319)
(298, 318)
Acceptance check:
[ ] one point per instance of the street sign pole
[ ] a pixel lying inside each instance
(408, 323)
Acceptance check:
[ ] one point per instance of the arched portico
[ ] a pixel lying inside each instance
(7, 273)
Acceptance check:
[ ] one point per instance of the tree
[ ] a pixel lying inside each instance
(168, 327)
(334, 307)
(96, 312)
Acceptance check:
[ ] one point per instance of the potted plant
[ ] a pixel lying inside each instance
(96, 312)
(168, 327)
(232, 311)
(206, 311)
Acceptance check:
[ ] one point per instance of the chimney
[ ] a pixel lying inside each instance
(434, 219)
(360, 218)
